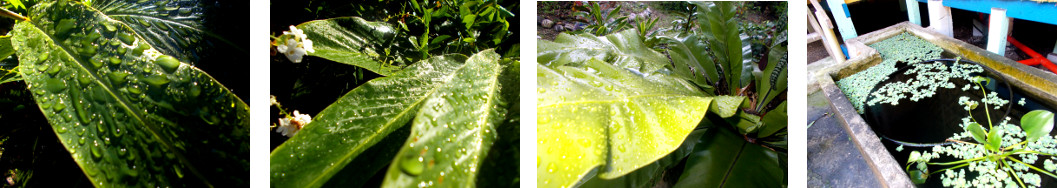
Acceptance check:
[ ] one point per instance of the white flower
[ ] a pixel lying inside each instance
(296, 46)
(293, 52)
(308, 45)
(274, 101)
(289, 126)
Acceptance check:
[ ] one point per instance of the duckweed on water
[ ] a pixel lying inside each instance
(900, 48)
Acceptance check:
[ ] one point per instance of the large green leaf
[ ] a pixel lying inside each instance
(129, 115)
(357, 121)
(720, 29)
(358, 42)
(624, 50)
(724, 159)
(172, 27)
(649, 174)
(605, 118)
(774, 79)
(454, 130)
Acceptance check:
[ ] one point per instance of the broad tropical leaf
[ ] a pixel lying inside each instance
(724, 159)
(358, 42)
(454, 129)
(649, 174)
(775, 77)
(357, 121)
(607, 117)
(726, 43)
(172, 27)
(129, 115)
(624, 50)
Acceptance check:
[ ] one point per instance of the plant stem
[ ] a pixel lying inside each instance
(1021, 182)
(1011, 147)
(957, 162)
(7, 13)
(951, 168)
(986, 110)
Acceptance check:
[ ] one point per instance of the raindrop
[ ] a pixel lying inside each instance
(167, 63)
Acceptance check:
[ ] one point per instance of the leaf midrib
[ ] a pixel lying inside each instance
(329, 170)
(123, 102)
(493, 89)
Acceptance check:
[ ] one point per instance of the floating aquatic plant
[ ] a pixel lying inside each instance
(999, 155)
(900, 48)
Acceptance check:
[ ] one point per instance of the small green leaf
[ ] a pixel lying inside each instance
(1037, 123)
(919, 176)
(726, 106)
(994, 138)
(977, 131)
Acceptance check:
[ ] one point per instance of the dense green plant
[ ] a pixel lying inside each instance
(114, 81)
(603, 23)
(614, 112)
(443, 113)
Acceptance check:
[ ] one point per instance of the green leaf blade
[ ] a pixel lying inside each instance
(977, 131)
(1037, 123)
(454, 129)
(174, 27)
(128, 116)
(360, 119)
(724, 159)
(357, 42)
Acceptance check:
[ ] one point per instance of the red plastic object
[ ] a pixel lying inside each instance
(1036, 58)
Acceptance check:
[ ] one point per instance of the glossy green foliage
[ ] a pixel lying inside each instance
(1036, 124)
(360, 119)
(624, 50)
(607, 117)
(727, 45)
(453, 108)
(357, 42)
(128, 114)
(723, 159)
(454, 130)
(172, 27)
(692, 61)
(462, 26)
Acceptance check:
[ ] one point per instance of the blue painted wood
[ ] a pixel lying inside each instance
(1019, 9)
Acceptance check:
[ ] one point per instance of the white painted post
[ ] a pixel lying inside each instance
(999, 29)
(940, 18)
(913, 12)
(843, 19)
